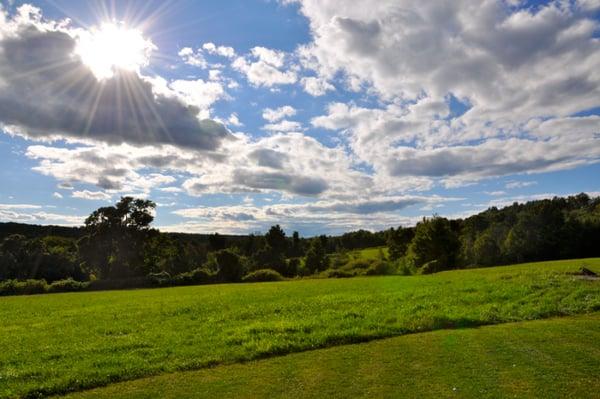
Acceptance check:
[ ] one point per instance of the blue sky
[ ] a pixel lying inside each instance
(322, 116)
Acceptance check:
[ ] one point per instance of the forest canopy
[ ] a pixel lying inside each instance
(118, 243)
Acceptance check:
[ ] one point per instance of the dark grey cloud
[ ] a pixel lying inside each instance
(46, 91)
(491, 159)
(362, 36)
(269, 158)
(109, 184)
(301, 185)
(367, 206)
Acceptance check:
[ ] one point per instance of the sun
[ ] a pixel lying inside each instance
(113, 46)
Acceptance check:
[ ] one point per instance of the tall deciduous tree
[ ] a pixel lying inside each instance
(114, 245)
(435, 242)
(398, 241)
(316, 258)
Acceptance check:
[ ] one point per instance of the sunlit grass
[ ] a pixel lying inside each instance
(369, 253)
(554, 358)
(62, 342)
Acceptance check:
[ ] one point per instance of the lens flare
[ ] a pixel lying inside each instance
(114, 46)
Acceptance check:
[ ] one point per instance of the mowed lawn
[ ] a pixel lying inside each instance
(555, 358)
(57, 343)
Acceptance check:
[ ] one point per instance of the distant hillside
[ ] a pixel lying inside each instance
(36, 231)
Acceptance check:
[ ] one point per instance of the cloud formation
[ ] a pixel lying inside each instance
(334, 215)
(520, 74)
(46, 92)
(265, 67)
(276, 114)
(414, 98)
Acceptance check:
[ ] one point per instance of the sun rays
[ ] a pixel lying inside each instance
(114, 46)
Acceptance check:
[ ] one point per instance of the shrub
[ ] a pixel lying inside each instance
(338, 260)
(358, 264)
(27, 287)
(430, 267)
(120, 284)
(160, 278)
(293, 267)
(196, 276)
(379, 268)
(230, 265)
(263, 275)
(361, 267)
(303, 271)
(68, 285)
(404, 267)
(340, 273)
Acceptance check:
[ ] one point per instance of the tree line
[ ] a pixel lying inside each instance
(118, 244)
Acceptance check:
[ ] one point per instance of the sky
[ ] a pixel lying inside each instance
(323, 116)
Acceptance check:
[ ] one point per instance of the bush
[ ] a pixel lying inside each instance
(404, 267)
(160, 278)
(430, 267)
(303, 271)
(340, 273)
(379, 268)
(355, 264)
(338, 260)
(262, 275)
(230, 265)
(361, 267)
(196, 276)
(27, 287)
(68, 285)
(120, 284)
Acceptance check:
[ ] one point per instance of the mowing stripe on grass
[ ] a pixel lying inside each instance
(555, 358)
(58, 343)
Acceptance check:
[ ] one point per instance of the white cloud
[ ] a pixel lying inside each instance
(215, 74)
(199, 93)
(333, 215)
(112, 168)
(57, 195)
(223, 51)
(194, 58)
(316, 86)
(496, 193)
(29, 213)
(171, 189)
(283, 126)
(275, 114)
(520, 73)
(41, 218)
(519, 184)
(19, 206)
(91, 195)
(233, 120)
(264, 67)
(289, 163)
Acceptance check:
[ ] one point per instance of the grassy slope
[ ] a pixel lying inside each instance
(61, 342)
(509, 360)
(369, 253)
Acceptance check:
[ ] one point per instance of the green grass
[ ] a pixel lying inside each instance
(64, 342)
(556, 358)
(369, 253)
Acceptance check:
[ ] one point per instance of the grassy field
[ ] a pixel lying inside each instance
(369, 253)
(504, 361)
(58, 343)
